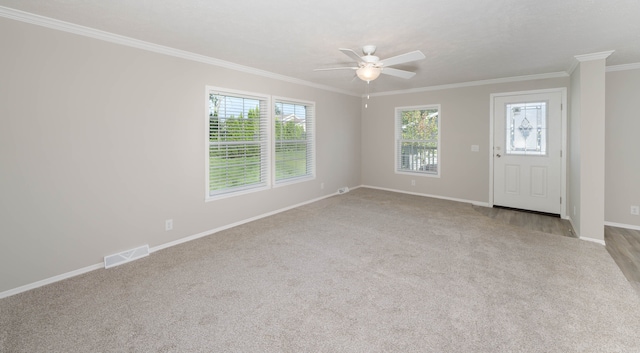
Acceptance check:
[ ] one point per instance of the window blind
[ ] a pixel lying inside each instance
(294, 140)
(238, 142)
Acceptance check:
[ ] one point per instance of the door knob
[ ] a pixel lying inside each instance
(498, 155)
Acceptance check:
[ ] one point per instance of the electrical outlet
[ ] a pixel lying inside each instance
(413, 182)
(321, 186)
(168, 224)
(635, 210)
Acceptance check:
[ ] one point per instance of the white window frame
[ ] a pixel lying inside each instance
(265, 150)
(398, 137)
(310, 126)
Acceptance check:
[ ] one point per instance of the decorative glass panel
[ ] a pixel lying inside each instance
(526, 128)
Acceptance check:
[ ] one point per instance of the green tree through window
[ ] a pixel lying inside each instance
(237, 143)
(252, 144)
(417, 136)
(293, 141)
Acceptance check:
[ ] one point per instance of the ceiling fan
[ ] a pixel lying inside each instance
(370, 66)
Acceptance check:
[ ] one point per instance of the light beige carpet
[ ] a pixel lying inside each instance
(367, 271)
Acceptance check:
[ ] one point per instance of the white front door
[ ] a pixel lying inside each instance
(527, 151)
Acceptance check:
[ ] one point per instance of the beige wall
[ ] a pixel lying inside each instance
(573, 143)
(588, 145)
(100, 143)
(592, 147)
(465, 121)
(622, 165)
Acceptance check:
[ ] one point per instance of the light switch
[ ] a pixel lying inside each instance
(475, 148)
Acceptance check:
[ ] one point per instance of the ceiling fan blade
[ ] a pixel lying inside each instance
(352, 54)
(336, 68)
(398, 73)
(403, 58)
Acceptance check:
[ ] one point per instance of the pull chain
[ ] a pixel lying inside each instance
(367, 92)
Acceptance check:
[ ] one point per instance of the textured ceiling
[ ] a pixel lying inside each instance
(462, 40)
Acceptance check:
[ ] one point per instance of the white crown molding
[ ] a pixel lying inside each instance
(634, 66)
(594, 56)
(51, 23)
(474, 83)
(588, 57)
(573, 67)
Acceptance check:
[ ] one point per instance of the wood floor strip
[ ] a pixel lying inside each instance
(622, 244)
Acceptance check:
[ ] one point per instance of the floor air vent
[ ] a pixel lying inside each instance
(343, 190)
(126, 256)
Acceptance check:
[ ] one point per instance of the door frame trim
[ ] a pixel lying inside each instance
(564, 133)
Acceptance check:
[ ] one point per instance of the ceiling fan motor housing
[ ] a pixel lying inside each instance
(369, 49)
(370, 59)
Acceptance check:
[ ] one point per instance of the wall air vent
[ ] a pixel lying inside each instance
(126, 256)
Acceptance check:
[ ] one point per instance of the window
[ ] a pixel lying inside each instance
(526, 128)
(294, 140)
(418, 140)
(238, 142)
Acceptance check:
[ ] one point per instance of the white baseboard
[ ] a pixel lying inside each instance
(215, 230)
(622, 225)
(601, 242)
(476, 203)
(593, 240)
(50, 280)
(573, 226)
(98, 266)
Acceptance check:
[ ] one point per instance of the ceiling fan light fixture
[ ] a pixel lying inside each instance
(368, 72)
